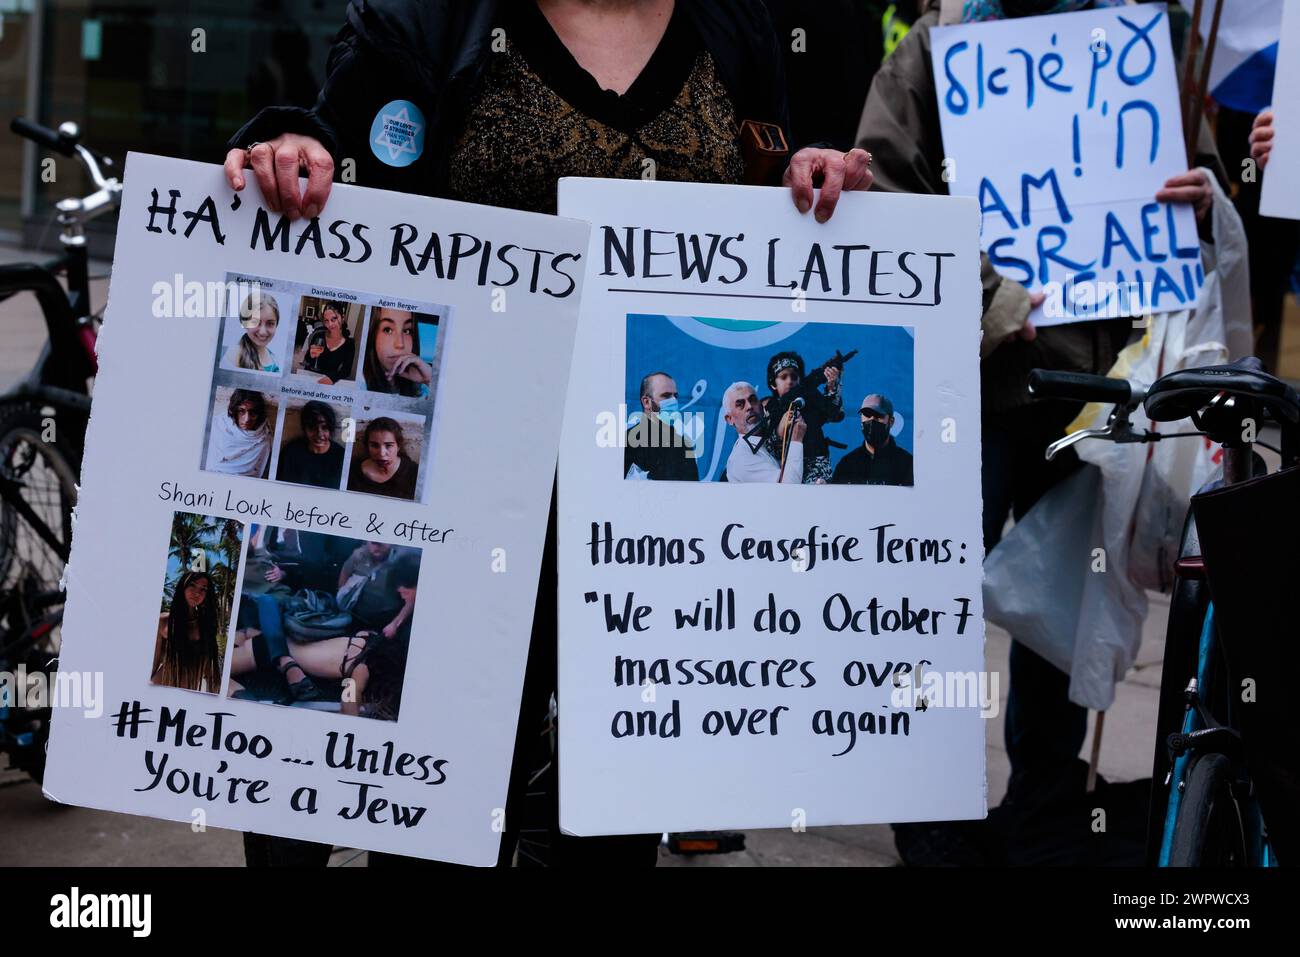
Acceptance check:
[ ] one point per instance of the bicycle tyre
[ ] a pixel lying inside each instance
(1208, 832)
(48, 470)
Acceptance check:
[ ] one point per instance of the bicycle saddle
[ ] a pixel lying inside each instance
(1179, 394)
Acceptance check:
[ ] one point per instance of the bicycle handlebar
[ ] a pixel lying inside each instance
(67, 141)
(1045, 384)
(44, 136)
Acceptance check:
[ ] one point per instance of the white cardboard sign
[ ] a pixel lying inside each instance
(1064, 127)
(729, 649)
(1280, 194)
(304, 433)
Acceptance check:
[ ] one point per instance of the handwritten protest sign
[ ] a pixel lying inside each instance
(749, 618)
(1280, 194)
(1064, 127)
(312, 512)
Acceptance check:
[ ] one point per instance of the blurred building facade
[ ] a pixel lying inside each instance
(175, 77)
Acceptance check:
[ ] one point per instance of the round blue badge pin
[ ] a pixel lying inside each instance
(397, 133)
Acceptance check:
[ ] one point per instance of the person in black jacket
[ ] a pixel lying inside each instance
(655, 447)
(879, 460)
(467, 101)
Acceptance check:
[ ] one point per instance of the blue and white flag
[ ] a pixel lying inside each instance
(1245, 53)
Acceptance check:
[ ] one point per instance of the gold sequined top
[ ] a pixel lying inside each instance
(539, 116)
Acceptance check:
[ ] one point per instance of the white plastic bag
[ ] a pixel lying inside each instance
(1032, 584)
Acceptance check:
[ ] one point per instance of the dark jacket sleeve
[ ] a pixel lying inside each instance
(830, 408)
(360, 82)
(900, 129)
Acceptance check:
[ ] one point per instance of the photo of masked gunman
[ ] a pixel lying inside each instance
(751, 459)
(655, 447)
(878, 460)
(793, 389)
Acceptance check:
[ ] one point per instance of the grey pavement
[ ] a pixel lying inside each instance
(39, 832)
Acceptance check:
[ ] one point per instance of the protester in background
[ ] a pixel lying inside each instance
(831, 50)
(900, 126)
(1273, 242)
(751, 458)
(260, 316)
(656, 448)
(386, 468)
(241, 437)
(879, 460)
(393, 362)
(1261, 138)
(313, 458)
(785, 373)
(624, 85)
(186, 654)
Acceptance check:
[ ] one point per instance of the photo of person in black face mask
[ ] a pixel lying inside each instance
(879, 460)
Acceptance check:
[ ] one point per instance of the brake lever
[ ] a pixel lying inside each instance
(1063, 443)
(1118, 429)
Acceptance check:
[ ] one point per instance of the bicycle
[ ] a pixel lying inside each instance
(1204, 808)
(42, 435)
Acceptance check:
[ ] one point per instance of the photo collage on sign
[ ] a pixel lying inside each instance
(325, 387)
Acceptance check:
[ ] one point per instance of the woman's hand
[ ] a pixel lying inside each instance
(276, 166)
(838, 172)
(1190, 187)
(1261, 138)
(274, 574)
(412, 367)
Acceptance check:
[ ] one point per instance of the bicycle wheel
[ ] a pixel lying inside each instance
(39, 474)
(1209, 831)
(25, 731)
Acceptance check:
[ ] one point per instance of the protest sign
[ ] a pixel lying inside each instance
(1064, 127)
(308, 442)
(749, 618)
(1280, 195)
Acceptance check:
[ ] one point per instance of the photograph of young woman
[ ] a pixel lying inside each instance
(186, 654)
(240, 440)
(383, 465)
(393, 362)
(331, 352)
(313, 458)
(259, 314)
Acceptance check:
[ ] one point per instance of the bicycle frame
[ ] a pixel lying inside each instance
(1237, 464)
(65, 364)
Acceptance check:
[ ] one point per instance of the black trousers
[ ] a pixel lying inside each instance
(1044, 730)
